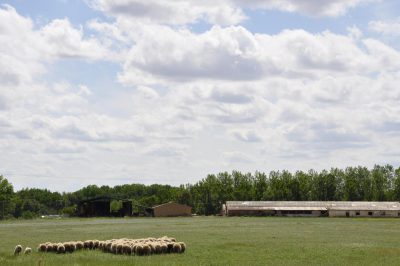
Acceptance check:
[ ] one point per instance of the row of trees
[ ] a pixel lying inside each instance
(381, 183)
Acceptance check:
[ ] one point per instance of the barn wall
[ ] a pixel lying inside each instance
(273, 213)
(171, 210)
(250, 213)
(352, 213)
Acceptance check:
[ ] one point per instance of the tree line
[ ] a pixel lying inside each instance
(381, 183)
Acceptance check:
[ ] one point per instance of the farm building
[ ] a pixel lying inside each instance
(364, 209)
(94, 207)
(312, 208)
(170, 209)
(101, 207)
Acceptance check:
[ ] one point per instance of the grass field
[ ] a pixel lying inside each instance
(215, 240)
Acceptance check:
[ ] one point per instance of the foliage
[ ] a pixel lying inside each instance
(381, 183)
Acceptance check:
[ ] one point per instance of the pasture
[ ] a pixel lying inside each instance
(214, 240)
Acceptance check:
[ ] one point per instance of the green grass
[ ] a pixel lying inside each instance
(215, 240)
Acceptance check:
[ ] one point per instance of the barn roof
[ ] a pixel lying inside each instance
(170, 203)
(312, 205)
(105, 198)
(365, 206)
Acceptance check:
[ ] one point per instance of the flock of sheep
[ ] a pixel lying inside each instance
(140, 247)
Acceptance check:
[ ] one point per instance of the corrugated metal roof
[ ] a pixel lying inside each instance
(312, 205)
(169, 203)
(255, 208)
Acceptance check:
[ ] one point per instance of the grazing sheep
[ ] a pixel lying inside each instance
(28, 250)
(157, 248)
(170, 245)
(96, 244)
(176, 248)
(67, 246)
(146, 250)
(17, 250)
(60, 248)
(42, 247)
(183, 246)
(139, 250)
(114, 248)
(49, 247)
(79, 245)
(119, 248)
(142, 246)
(152, 247)
(164, 248)
(128, 249)
(108, 247)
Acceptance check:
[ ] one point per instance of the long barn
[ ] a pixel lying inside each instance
(312, 208)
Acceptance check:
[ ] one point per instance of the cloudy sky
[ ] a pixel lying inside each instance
(167, 91)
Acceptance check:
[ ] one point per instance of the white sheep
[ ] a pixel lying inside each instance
(28, 250)
(17, 250)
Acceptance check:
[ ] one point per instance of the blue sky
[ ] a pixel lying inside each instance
(111, 92)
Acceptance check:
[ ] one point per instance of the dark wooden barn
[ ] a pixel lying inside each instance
(101, 207)
(95, 207)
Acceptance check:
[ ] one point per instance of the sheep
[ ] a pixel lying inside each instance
(176, 248)
(142, 246)
(67, 246)
(146, 250)
(152, 247)
(164, 248)
(127, 249)
(60, 248)
(79, 245)
(42, 247)
(28, 250)
(114, 248)
(49, 247)
(157, 248)
(17, 250)
(183, 246)
(139, 250)
(170, 245)
(108, 247)
(70, 246)
(96, 244)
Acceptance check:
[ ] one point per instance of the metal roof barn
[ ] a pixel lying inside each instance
(312, 208)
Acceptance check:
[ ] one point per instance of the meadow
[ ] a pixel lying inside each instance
(214, 240)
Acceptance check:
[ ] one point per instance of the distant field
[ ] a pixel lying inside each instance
(215, 240)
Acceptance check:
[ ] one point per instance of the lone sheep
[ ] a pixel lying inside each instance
(28, 250)
(17, 250)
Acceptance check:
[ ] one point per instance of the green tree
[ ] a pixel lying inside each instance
(6, 196)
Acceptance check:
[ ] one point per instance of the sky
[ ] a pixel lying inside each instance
(158, 91)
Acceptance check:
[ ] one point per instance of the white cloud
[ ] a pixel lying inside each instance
(172, 12)
(63, 40)
(391, 28)
(331, 8)
(24, 49)
(234, 53)
(220, 12)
